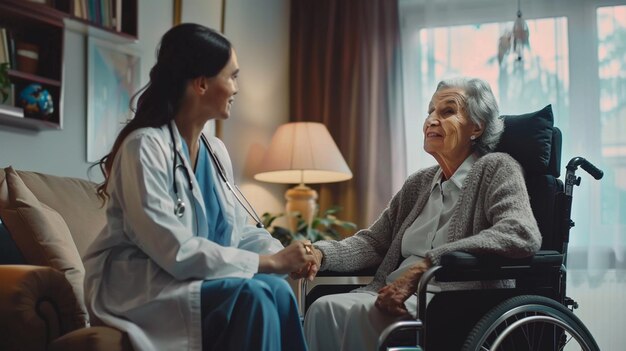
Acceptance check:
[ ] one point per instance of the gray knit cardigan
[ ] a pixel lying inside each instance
(492, 216)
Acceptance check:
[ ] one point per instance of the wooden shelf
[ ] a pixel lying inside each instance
(101, 21)
(34, 11)
(82, 26)
(42, 27)
(33, 78)
(14, 116)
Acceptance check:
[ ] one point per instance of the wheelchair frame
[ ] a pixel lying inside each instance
(460, 266)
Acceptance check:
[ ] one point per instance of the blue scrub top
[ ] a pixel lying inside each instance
(219, 230)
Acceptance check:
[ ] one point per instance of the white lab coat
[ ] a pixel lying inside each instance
(145, 270)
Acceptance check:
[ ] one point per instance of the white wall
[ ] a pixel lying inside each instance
(259, 31)
(205, 12)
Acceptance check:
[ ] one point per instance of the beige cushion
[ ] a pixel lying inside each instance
(41, 234)
(74, 199)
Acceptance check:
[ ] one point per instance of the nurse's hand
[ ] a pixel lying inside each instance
(310, 271)
(290, 259)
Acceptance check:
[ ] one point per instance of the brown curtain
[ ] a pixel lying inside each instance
(345, 73)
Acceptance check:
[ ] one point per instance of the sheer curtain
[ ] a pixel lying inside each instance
(576, 61)
(345, 73)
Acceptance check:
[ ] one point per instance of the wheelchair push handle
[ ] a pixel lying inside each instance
(586, 165)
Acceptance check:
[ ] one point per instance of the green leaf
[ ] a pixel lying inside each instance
(326, 223)
(329, 236)
(315, 235)
(299, 236)
(5, 82)
(345, 224)
(322, 227)
(332, 210)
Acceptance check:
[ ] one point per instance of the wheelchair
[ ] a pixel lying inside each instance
(534, 315)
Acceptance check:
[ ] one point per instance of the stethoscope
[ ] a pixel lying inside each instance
(179, 209)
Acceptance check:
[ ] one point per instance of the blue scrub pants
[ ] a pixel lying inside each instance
(250, 314)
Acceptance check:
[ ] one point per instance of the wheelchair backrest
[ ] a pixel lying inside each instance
(535, 143)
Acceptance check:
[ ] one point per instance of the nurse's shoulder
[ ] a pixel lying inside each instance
(148, 141)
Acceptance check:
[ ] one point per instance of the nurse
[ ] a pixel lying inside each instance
(177, 267)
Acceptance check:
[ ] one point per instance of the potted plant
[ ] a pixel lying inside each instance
(325, 227)
(5, 83)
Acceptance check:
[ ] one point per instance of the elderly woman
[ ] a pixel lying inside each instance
(474, 200)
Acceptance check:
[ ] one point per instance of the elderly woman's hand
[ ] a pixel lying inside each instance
(391, 297)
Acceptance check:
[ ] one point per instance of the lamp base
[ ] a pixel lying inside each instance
(300, 199)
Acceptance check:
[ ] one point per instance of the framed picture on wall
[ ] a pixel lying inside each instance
(113, 76)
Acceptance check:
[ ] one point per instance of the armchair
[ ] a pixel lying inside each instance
(46, 223)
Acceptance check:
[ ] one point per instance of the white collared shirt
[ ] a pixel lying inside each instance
(430, 228)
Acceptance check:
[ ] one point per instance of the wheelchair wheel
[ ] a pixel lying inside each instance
(530, 322)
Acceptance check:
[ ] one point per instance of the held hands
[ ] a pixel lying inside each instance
(391, 297)
(294, 258)
(311, 270)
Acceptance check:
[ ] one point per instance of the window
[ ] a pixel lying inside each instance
(612, 76)
(576, 61)
(538, 79)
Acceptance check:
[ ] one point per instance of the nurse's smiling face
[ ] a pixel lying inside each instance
(222, 88)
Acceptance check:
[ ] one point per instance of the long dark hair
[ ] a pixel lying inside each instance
(186, 51)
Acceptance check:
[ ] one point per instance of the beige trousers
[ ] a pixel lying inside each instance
(348, 322)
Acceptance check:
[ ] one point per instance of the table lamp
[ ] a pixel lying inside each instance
(302, 153)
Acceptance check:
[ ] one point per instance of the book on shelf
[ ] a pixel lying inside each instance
(12, 51)
(117, 20)
(7, 47)
(11, 100)
(4, 46)
(78, 9)
(103, 13)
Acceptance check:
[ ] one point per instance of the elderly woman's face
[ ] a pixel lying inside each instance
(448, 128)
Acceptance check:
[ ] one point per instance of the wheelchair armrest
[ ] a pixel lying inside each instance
(366, 272)
(338, 288)
(462, 266)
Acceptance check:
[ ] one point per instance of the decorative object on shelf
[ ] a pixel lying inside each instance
(325, 227)
(5, 83)
(36, 102)
(27, 57)
(302, 153)
(113, 76)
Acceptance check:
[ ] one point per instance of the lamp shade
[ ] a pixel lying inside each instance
(303, 152)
